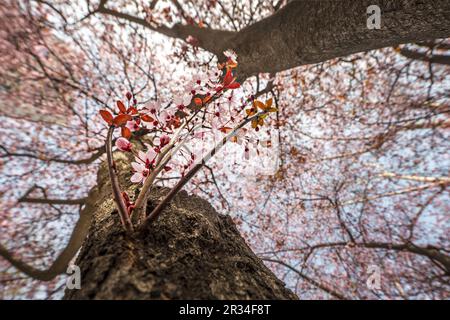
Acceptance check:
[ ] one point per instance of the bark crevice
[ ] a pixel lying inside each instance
(190, 252)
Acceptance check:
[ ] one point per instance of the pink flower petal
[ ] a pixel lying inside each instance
(141, 156)
(151, 155)
(187, 99)
(138, 167)
(137, 177)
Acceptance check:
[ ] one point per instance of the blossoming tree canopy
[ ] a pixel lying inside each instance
(330, 156)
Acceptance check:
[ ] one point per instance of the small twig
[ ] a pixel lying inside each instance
(321, 285)
(213, 177)
(121, 207)
(79, 201)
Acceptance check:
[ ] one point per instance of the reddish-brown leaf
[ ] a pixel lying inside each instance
(147, 118)
(259, 104)
(107, 116)
(121, 106)
(228, 78)
(121, 119)
(126, 133)
(234, 85)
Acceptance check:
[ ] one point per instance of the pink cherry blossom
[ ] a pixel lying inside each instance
(246, 153)
(196, 86)
(164, 140)
(213, 75)
(141, 172)
(199, 134)
(182, 101)
(123, 144)
(240, 136)
(152, 108)
(165, 116)
(143, 165)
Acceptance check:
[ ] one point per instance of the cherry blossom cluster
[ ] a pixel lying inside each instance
(206, 106)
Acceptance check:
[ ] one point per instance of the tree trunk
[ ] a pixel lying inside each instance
(306, 32)
(190, 252)
(312, 31)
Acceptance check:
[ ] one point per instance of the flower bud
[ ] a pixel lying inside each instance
(123, 144)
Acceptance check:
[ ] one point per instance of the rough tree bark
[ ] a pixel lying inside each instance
(312, 31)
(190, 252)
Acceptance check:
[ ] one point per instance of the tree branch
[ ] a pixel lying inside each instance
(306, 32)
(210, 39)
(121, 207)
(60, 264)
(100, 151)
(315, 283)
(80, 201)
(427, 251)
(416, 55)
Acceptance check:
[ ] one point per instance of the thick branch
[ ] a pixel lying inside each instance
(54, 201)
(209, 39)
(305, 31)
(426, 251)
(416, 55)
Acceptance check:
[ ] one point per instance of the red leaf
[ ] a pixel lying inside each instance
(107, 116)
(121, 107)
(234, 85)
(121, 119)
(228, 78)
(147, 118)
(126, 133)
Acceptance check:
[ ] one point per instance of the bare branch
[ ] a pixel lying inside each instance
(121, 207)
(427, 251)
(60, 264)
(438, 180)
(433, 58)
(54, 201)
(96, 155)
(315, 283)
